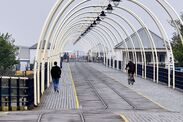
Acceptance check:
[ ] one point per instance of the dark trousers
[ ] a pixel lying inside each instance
(55, 83)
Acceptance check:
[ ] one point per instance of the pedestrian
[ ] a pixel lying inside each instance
(56, 74)
(131, 70)
(67, 57)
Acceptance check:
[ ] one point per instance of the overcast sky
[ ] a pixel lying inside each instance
(24, 18)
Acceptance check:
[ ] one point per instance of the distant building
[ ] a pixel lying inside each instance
(23, 56)
(163, 56)
(32, 50)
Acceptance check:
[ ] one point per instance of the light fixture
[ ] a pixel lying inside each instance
(91, 26)
(116, 2)
(109, 8)
(102, 15)
(94, 23)
(98, 20)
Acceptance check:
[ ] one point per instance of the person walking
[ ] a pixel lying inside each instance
(131, 70)
(56, 74)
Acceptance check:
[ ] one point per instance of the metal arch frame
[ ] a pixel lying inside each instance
(164, 32)
(108, 24)
(119, 25)
(37, 62)
(46, 43)
(68, 17)
(146, 30)
(65, 18)
(104, 50)
(153, 56)
(156, 57)
(164, 35)
(72, 32)
(73, 26)
(71, 20)
(139, 41)
(104, 38)
(42, 36)
(104, 47)
(84, 23)
(38, 53)
(128, 35)
(87, 41)
(105, 34)
(102, 34)
(87, 7)
(169, 13)
(96, 44)
(84, 41)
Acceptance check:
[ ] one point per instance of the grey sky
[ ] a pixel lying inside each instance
(24, 18)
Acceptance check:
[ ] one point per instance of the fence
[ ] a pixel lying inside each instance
(16, 93)
(163, 75)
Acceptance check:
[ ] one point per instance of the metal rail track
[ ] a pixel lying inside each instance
(103, 81)
(42, 114)
(98, 95)
(82, 117)
(93, 87)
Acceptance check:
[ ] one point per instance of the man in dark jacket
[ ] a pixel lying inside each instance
(131, 70)
(55, 73)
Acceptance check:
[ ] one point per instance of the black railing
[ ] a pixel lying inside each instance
(162, 75)
(149, 72)
(105, 60)
(119, 64)
(111, 62)
(16, 93)
(179, 79)
(115, 64)
(45, 75)
(139, 69)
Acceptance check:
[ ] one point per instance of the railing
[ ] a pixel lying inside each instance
(139, 71)
(163, 75)
(16, 93)
(119, 65)
(115, 64)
